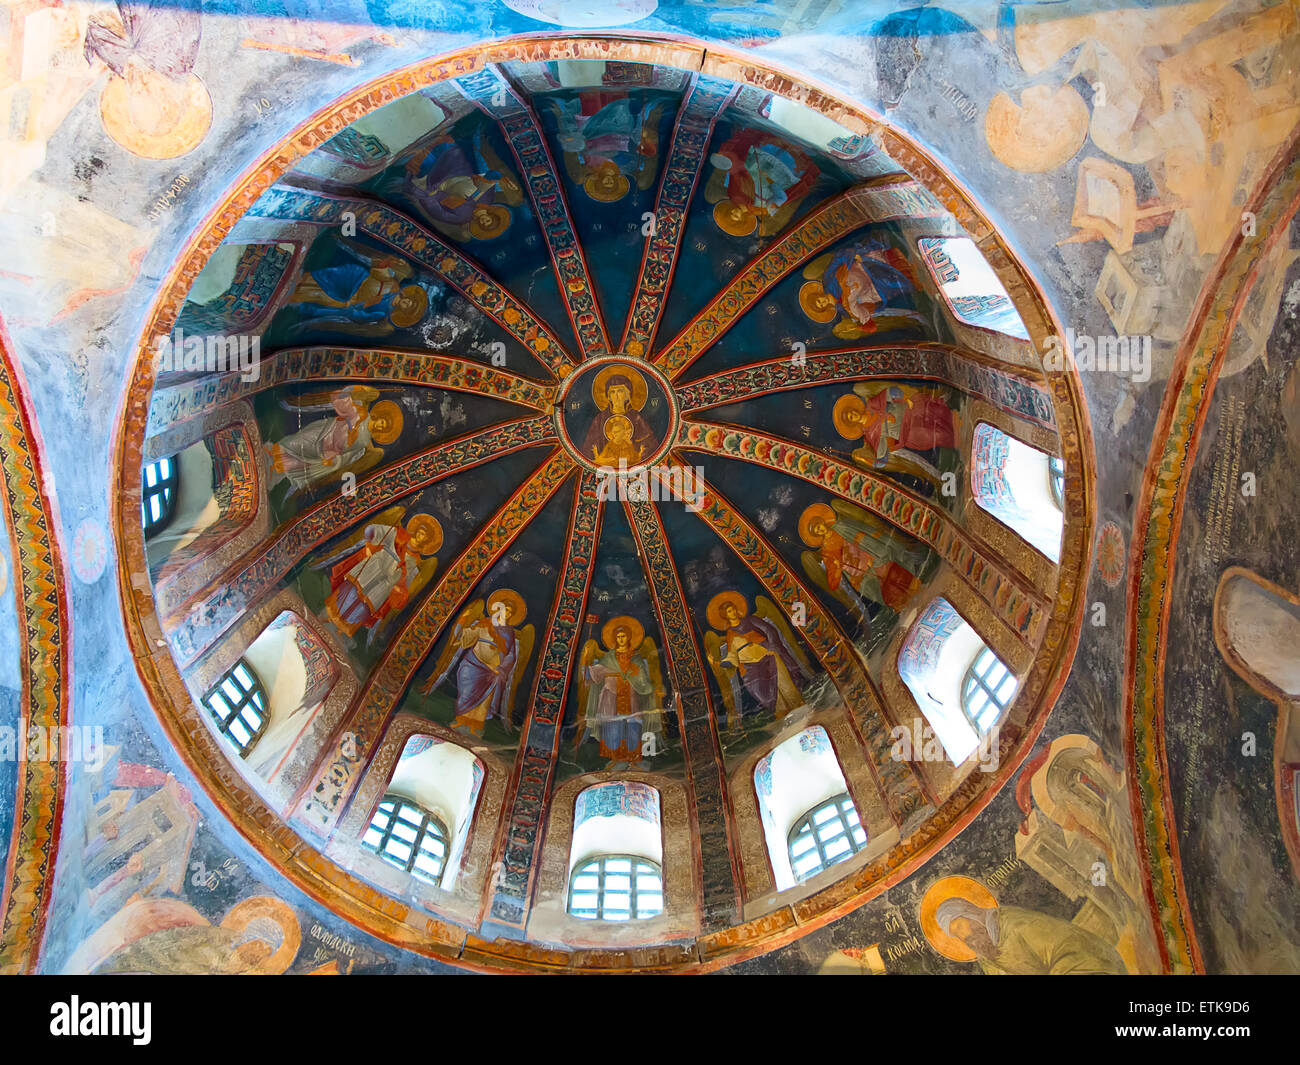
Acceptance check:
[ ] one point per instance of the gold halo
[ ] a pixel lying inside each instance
(726, 219)
(500, 222)
(635, 631)
(599, 192)
(808, 292)
(1040, 133)
(617, 418)
(514, 602)
(714, 610)
(386, 410)
(847, 429)
(245, 913)
(183, 135)
(952, 887)
(600, 386)
(429, 522)
(402, 319)
(815, 512)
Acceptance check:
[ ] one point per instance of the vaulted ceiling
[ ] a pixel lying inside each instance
(475, 304)
(468, 260)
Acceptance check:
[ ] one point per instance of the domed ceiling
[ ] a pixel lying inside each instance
(565, 367)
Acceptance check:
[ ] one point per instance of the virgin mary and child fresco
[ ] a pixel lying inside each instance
(619, 434)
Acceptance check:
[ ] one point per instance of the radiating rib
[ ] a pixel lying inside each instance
(1013, 393)
(1022, 611)
(192, 399)
(492, 91)
(421, 245)
(534, 777)
(831, 645)
(209, 613)
(830, 222)
(692, 132)
(353, 745)
(718, 849)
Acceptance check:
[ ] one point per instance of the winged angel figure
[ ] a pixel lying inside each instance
(621, 693)
(324, 450)
(859, 559)
(488, 652)
(756, 656)
(377, 570)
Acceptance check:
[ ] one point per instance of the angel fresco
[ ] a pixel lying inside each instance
(350, 442)
(462, 186)
(864, 288)
(621, 692)
(758, 182)
(350, 288)
(607, 142)
(857, 557)
(903, 429)
(489, 650)
(755, 655)
(379, 569)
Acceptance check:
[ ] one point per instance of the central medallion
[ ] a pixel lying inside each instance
(616, 413)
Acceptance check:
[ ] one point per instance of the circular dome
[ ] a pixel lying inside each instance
(617, 413)
(586, 470)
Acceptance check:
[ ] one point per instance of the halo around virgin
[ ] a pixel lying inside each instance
(635, 380)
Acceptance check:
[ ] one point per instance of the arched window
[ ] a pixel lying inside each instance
(239, 704)
(216, 496)
(1056, 471)
(615, 861)
(616, 887)
(970, 287)
(1017, 484)
(159, 493)
(422, 824)
(409, 837)
(828, 833)
(986, 690)
(809, 819)
(812, 127)
(960, 686)
(298, 669)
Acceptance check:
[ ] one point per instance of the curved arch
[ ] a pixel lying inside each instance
(1156, 527)
(44, 635)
